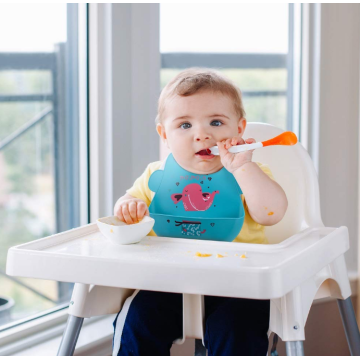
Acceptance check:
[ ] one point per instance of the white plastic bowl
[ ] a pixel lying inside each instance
(121, 233)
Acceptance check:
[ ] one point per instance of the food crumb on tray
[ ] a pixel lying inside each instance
(202, 255)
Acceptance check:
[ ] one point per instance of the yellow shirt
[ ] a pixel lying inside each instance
(251, 231)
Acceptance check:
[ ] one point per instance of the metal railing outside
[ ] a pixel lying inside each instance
(29, 61)
(63, 108)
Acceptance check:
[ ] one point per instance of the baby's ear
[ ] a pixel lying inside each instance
(161, 131)
(241, 126)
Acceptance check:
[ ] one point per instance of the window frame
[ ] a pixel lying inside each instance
(124, 89)
(107, 84)
(32, 337)
(76, 127)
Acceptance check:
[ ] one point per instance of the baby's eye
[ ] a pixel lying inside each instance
(185, 125)
(216, 123)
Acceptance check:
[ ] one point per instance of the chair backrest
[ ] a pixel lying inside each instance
(293, 169)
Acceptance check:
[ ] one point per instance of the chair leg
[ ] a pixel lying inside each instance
(70, 336)
(294, 348)
(200, 349)
(350, 325)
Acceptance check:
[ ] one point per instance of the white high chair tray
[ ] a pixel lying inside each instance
(84, 255)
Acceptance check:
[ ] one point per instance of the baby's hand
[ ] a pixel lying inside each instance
(231, 161)
(131, 211)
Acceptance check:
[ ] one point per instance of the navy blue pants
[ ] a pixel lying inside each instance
(233, 326)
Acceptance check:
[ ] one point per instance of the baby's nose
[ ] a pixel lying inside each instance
(202, 138)
(202, 135)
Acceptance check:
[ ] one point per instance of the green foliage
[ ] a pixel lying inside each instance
(26, 157)
(13, 229)
(25, 82)
(26, 174)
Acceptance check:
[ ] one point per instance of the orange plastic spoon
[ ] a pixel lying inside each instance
(286, 138)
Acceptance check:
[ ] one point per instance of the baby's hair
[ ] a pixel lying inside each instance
(190, 81)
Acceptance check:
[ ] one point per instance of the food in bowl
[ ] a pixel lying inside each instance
(123, 234)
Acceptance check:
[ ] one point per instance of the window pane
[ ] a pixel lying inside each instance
(32, 27)
(39, 187)
(249, 43)
(25, 82)
(224, 28)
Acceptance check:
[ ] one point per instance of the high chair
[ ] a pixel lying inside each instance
(304, 261)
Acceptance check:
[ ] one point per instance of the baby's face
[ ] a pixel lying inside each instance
(192, 124)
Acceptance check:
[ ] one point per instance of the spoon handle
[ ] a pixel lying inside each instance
(237, 148)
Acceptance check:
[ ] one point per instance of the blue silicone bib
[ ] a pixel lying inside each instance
(188, 205)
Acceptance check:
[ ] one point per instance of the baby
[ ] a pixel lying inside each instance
(198, 109)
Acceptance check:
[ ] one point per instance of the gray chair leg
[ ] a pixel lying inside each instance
(350, 325)
(200, 349)
(70, 336)
(294, 348)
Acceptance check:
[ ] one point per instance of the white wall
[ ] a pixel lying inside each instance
(339, 120)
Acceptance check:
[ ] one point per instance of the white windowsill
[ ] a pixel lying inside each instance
(95, 339)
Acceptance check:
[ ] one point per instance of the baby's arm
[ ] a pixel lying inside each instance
(265, 198)
(130, 209)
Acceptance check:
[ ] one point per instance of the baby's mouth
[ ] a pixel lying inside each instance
(204, 152)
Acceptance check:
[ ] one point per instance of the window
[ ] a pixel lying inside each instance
(252, 44)
(43, 130)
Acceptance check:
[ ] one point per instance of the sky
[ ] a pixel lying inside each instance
(31, 27)
(244, 28)
(186, 27)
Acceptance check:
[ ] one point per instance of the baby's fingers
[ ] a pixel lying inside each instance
(228, 144)
(241, 141)
(222, 149)
(132, 211)
(142, 210)
(250, 141)
(126, 214)
(119, 214)
(234, 141)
